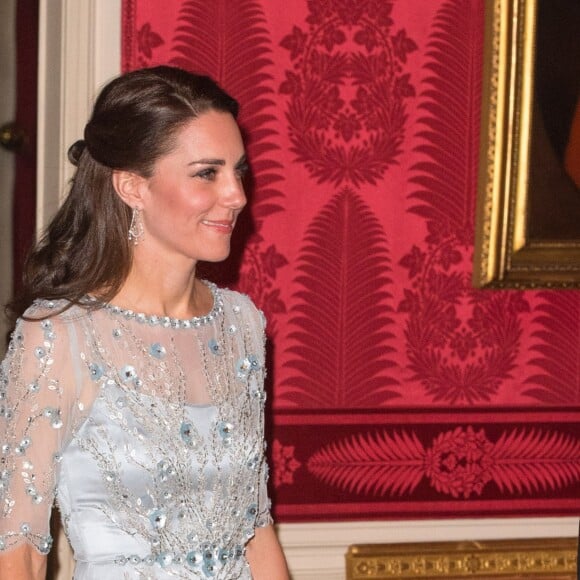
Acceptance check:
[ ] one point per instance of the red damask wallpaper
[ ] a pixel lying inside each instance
(396, 390)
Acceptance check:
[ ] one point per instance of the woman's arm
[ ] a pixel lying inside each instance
(37, 389)
(265, 556)
(22, 563)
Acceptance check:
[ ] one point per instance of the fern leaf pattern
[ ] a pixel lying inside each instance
(557, 350)
(450, 123)
(230, 42)
(535, 460)
(458, 358)
(460, 463)
(376, 464)
(341, 315)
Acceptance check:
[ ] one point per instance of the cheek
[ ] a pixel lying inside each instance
(181, 201)
(194, 201)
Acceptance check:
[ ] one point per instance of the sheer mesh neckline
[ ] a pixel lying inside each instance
(168, 321)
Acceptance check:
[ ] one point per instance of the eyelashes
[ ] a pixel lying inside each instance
(210, 173)
(242, 169)
(207, 174)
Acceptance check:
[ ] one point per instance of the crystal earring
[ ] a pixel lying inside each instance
(136, 230)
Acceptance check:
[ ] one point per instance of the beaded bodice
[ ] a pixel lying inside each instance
(149, 431)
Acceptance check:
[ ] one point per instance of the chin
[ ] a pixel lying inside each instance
(216, 257)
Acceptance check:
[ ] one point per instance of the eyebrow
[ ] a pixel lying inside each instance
(243, 160)
(208, 162)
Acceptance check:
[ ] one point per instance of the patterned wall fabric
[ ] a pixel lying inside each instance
(396, 390)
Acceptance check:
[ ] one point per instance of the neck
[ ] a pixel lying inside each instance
(157, 288)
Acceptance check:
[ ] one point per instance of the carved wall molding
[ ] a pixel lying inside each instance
(79, 49)
(552, 558)
(316, 551)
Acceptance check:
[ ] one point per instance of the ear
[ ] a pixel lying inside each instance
(129, 187)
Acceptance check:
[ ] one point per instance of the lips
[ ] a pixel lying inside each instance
(223, 226)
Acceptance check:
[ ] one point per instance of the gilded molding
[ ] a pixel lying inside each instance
(533, 558)
(504, 256)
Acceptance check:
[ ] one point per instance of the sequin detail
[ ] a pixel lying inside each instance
(214, 346)
(96, 371)
(157, 350)
(156, 424)
(128, 373)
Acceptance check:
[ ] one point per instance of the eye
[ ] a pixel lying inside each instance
(207, 174)
(242, 169)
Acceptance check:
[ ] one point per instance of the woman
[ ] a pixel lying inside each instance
(132, 390)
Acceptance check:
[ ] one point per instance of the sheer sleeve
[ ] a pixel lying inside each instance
(264, 517)
(35, 413)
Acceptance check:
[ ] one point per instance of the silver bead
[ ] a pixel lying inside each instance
(128, 373)
(56, 421)
(45, 544)
(194, 558)
(164, 559)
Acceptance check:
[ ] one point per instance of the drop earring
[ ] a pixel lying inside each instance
(136, 230)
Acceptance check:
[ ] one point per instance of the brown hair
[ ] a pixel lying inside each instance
(85, 247)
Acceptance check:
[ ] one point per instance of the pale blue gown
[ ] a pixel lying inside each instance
(149, 432)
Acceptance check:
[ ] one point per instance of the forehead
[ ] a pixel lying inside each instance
(212, 131)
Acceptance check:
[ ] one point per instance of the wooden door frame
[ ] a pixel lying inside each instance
(79, 50)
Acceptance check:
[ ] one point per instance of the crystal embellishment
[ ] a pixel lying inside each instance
(186, 433)
(168, 322)
(214, 346)
(128, 373)
(184, 438)
(158, 519)
(157, 350)
(95, 371)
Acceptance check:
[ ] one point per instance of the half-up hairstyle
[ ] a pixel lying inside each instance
(135, 120)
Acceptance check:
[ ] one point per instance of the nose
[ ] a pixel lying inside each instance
(235, 196)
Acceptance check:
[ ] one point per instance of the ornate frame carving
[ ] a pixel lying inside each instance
(553, 558)
(505, 256)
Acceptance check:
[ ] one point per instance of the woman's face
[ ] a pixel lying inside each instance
(192, 200)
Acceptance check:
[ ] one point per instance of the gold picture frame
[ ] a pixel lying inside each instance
(506, 255)
(540, 558)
